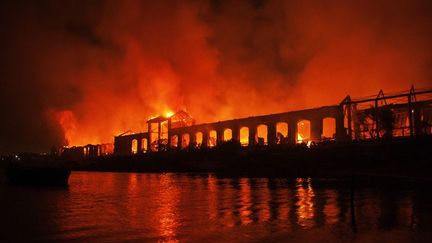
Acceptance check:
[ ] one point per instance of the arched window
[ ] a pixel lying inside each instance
(227, 134)
(329, 128)
(212, 139)
(134, 148)
(281, 132)
(198, 138)
(303, 131)
(174, 141)
(261, 135)
(185, 140)
(244, 136)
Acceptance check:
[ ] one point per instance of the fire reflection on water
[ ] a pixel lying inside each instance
(305, 205)
(133, 206)
(283, 200)
(212, 197)
(331, 208)
(246, 203)
(170, 207)
(167, 212)
(227, 203)
(263, 200)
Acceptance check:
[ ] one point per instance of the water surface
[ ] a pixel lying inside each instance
(196, 208)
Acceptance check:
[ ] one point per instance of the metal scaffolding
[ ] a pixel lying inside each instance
(400, 114)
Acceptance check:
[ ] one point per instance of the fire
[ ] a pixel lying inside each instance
(165, 113)
(71, 129)
(169, 113)
(302, 139)
(138, 58)
(68, 123)
(112, 92)
(299, 138)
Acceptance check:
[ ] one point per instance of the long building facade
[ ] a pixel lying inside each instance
(257, 130)
(401, 114)
(395, 115)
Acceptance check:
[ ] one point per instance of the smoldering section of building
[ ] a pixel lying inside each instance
(382, 116)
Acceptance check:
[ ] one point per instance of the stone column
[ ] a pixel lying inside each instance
(205, 139)
(271, 133)
(219, 135)
(316, 129)
(292, 131)
(252, 135)
(340, 129)
(192, 138)
(236, 133)
(169, 133)
(149, 141)
(139, 150)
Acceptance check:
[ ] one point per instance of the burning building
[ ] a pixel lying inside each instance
(403, 114)
(394, 115)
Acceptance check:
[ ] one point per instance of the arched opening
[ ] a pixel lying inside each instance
(212, 139)
(227, 135)
(174, 141)
(244, 136)
(281, 132)
(185, 140)
(303, 131)
(134, 147)
(329, 128)
(198, 139)
(144, 145)
(261, 135)
(85, 151)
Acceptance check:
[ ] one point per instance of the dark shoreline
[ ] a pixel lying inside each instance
(403, 157)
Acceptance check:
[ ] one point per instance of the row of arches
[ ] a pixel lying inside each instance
(261, 137)
(135, 148)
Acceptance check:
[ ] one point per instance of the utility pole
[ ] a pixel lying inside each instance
(410, 111)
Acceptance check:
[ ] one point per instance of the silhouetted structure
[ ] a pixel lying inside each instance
(395, 115)
(401, 114)
(210, 134)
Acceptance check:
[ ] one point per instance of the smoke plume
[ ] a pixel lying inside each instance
(79, 72)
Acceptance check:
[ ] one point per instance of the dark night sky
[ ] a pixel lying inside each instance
(82, 71)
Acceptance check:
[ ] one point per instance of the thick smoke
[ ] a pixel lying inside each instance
(78, 72)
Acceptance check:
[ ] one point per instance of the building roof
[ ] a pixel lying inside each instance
(158, 119)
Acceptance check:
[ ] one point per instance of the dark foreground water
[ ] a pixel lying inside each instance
(106, 207)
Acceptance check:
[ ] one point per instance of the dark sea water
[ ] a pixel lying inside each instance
(112, 207)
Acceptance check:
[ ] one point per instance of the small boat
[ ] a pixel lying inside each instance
(37, 172)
